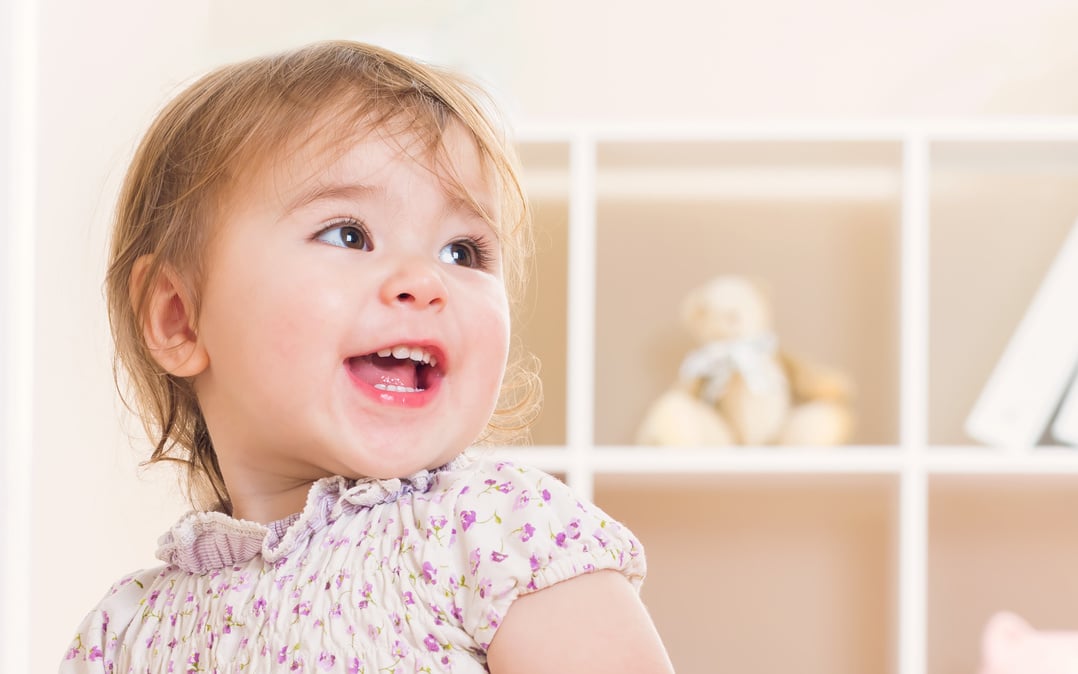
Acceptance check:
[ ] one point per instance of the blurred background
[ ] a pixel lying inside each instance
(81, 81)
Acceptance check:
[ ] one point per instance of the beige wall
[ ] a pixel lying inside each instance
(105, 66)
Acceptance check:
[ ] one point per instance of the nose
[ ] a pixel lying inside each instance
(416, 284)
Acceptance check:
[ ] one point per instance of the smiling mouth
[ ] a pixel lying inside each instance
(399, 369)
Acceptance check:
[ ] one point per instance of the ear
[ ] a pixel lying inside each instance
(167, 321)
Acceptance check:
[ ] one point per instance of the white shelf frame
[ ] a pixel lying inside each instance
(912, 462)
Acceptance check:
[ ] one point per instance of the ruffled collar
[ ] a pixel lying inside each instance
(206, 541)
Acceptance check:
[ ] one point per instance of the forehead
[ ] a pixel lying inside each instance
(333, 154)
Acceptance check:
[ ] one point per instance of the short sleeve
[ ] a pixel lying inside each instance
(99, 638)
(523, 530)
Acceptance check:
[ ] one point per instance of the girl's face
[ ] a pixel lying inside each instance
(355, 322)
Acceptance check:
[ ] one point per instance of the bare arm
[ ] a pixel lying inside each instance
(593, 623)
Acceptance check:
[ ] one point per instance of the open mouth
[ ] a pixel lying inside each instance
(400, 369)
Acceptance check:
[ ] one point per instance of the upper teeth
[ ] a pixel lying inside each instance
(404, 352)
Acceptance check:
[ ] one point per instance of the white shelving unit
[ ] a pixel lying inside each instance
(887, 234)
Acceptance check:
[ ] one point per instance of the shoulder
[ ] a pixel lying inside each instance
(473, 481)
(517, 530)
(506, 500)
(102, 631)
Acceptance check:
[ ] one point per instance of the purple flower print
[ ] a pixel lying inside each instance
(302, 608)
(95, 654)
(72, 654)
(430, 573)
(259, 606)
(559, 540)
(573, 530)
(601, 536)
(282, 656)
(409, 599)
(193, 660)
(473, 561)
(485, 588)
(467, 519)
(528, 532)
(431, 643)
(326, 661)
(534, 562)
(353, 667)
(522, 500)
(546, 495)
(505, 487)
(496, 556)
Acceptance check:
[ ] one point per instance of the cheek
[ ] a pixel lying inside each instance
(496, 337)
(269, 314)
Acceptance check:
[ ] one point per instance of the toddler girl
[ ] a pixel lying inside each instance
(308, 288)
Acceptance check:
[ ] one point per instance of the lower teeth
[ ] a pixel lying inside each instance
(397, 389)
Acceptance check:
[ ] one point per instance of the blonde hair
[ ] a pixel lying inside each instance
(237, 119)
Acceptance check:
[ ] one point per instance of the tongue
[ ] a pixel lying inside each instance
(388, 371)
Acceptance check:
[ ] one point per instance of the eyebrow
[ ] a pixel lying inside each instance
(328, 192)
(470, 207)
(353, 191)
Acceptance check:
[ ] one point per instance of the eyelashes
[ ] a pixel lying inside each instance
(472, 252)
(347, 233)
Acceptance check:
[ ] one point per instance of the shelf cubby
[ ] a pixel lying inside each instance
(901, 253)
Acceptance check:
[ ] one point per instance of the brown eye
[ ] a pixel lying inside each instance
(345, 236)
(459, 252)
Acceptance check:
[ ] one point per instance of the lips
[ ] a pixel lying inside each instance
(403, 368)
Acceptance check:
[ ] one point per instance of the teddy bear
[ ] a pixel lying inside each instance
(737, 387)
(1010, 645)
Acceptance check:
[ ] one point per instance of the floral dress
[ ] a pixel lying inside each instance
(402, 575)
